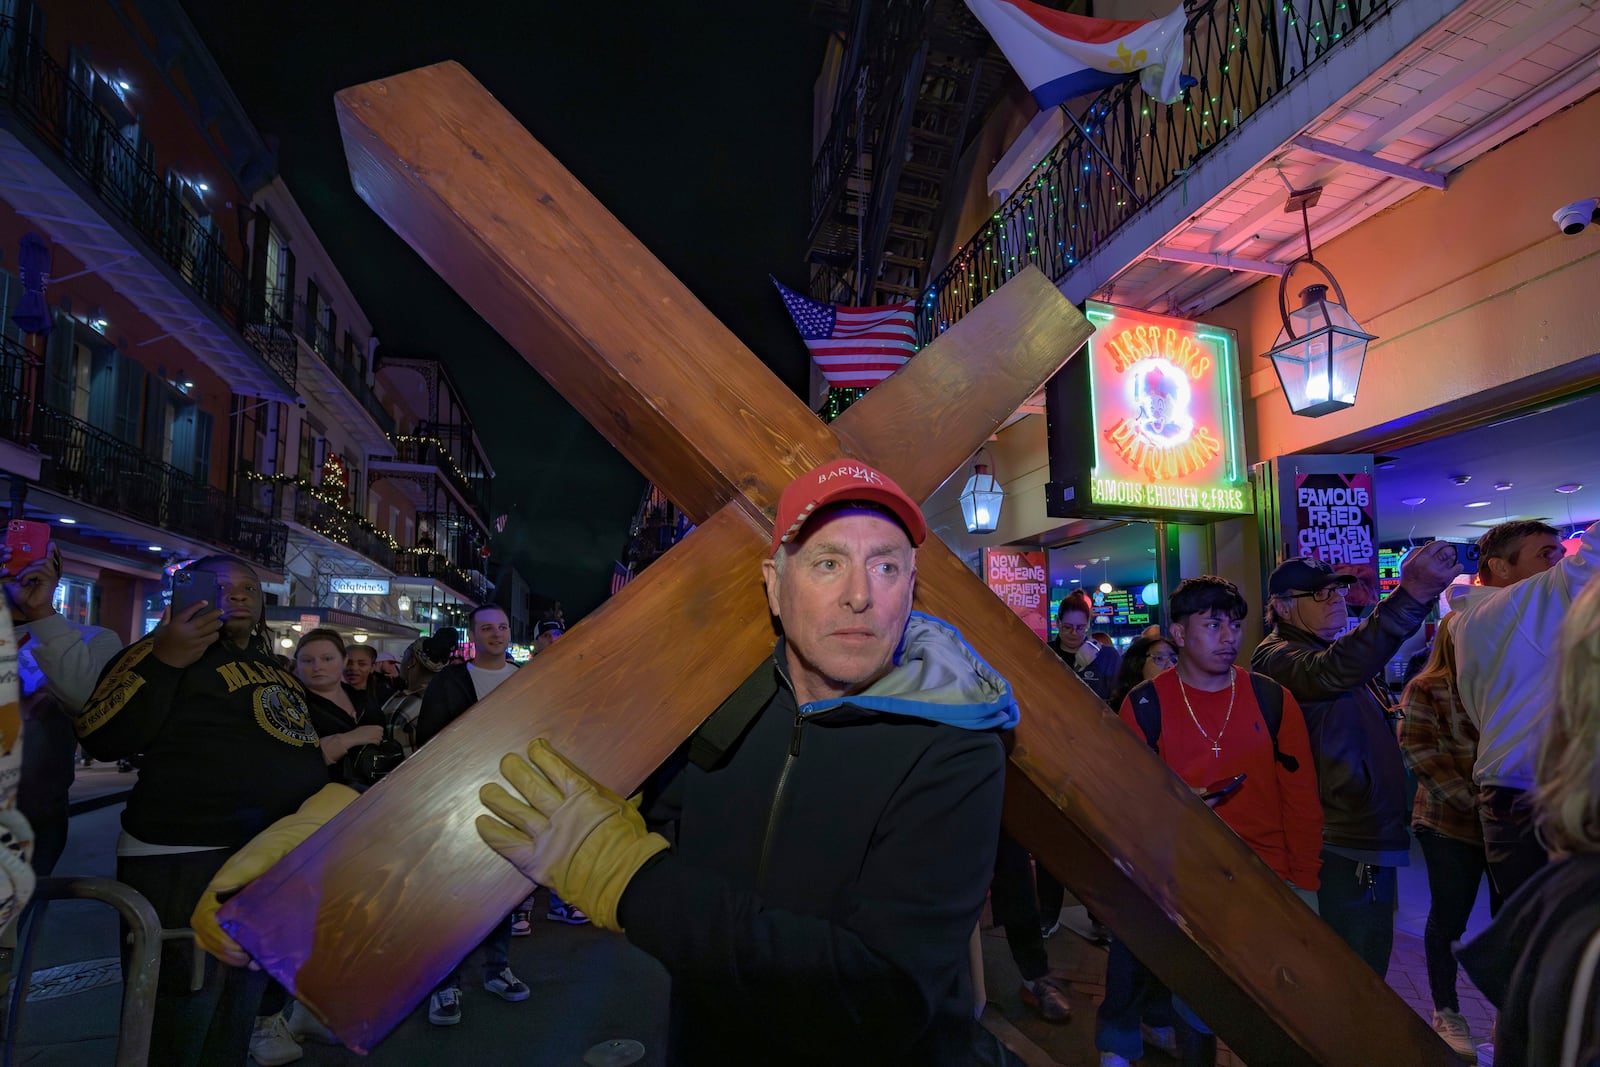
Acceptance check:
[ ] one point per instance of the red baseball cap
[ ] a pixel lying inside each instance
(835, 483)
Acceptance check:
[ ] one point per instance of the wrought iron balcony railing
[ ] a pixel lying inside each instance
(1242, 52)
(429, 446)
(45, 100)
(348, 367)
(341, 524)
(84, 463)
(321, 509)
(425, 563)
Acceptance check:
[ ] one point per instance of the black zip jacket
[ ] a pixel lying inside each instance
(445, 700)
(1360, 773)
(827, 875)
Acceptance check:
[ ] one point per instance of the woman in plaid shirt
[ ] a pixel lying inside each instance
(1440, 745)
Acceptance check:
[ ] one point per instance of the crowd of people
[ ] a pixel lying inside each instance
(833, 921)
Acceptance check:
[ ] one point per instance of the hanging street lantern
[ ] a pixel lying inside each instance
(1321, 348)
(981, 498)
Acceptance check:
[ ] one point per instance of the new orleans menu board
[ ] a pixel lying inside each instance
(1020, 577)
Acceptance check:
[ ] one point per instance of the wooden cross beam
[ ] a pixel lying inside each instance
(363, 919)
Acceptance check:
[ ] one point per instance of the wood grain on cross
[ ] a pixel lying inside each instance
(368, 915)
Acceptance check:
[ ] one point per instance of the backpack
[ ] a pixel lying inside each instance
(1269, 698)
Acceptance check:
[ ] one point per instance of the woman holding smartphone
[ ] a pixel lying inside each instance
(228, 748)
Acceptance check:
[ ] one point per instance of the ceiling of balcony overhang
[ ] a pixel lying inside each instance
(1487, 73)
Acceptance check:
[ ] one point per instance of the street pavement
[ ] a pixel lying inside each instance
(589, 987)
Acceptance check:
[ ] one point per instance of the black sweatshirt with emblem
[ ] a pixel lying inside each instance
(227, 743)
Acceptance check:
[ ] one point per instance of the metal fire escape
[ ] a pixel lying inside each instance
(917, 79)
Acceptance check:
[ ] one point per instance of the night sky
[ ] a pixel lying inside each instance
(692, 123)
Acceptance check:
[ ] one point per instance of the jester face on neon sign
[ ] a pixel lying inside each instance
(1159, 396)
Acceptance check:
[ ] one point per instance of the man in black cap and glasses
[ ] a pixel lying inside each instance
(1337, 679)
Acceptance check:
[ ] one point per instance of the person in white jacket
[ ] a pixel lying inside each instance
(58, 664)
(1506, 645)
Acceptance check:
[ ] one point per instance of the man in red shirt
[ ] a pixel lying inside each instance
(1237, 739)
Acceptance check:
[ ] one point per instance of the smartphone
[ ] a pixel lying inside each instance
(191, 587)
(1222, 787)
(28, 541)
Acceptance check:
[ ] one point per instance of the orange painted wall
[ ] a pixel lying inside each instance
(1469, 290)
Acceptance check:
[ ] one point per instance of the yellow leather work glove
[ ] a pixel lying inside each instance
(254, 860)
(573, 834)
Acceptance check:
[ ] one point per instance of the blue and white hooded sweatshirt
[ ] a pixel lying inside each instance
(830, 865)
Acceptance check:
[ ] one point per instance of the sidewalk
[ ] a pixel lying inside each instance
(99, 785)
(589, 987)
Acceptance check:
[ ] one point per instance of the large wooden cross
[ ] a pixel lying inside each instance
(364, 919)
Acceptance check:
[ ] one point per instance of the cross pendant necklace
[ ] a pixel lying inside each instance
(1216, 742)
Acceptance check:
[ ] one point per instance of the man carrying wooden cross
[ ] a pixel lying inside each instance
(836, 817)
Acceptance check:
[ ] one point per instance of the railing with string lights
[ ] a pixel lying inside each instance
(43, 96)
(430, 445)
(83, 462)
(427, 563)
(325, 510)
(1241, 53)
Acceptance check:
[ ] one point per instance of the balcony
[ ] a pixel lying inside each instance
(69, 170)
(428, 448)
(1243, 54)
(83, 463)
(430, 565)
(1370, 101)
(337, 377)
(324, 513)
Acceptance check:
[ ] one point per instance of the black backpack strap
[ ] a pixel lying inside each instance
(722, 730)
(1269, 698)
(1147, 712)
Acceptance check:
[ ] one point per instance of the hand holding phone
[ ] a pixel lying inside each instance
(1221, 788)
(193, 623)
(28, 541)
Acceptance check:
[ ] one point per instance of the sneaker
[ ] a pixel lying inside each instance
(507, 986)
(1161, 1038)
(1111, 1059)
(562, 912)
(444, 1007)
(303, 1026)
(1049, 930)
(1046, 999)
(271, 1043)
(1486, 1054)
(521, 922)
(1450, 1026)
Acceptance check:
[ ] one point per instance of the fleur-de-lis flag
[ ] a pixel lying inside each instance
(1061, 56)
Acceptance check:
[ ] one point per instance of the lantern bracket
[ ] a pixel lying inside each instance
(1303, 199)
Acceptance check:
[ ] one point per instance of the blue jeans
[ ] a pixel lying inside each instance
(49, 752)
(496, 950)
(1133, 996)
(1357, 900)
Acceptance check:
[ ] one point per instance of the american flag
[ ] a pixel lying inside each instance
(620, 576)
(500, 523)
(855, 348)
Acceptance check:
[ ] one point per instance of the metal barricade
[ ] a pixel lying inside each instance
(142, 961)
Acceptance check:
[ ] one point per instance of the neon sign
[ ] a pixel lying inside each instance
(1165, 407)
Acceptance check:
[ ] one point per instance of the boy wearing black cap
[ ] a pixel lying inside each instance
(1337, 679)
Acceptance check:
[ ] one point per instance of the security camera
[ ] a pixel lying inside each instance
(300, 402)
(1576, 216)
